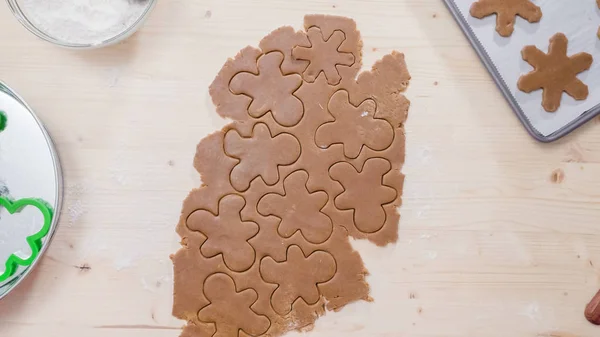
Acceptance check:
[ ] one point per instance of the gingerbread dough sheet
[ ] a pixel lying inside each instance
(578, 21)
(313, 157)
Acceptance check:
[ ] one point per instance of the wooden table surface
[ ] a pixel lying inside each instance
(499, 236)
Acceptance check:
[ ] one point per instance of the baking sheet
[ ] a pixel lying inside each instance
(579, 21)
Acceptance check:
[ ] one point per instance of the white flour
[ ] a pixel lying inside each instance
(83, 21)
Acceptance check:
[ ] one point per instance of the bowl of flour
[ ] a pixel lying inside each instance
(82, 23)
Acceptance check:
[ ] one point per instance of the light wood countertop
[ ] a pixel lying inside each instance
(490, 245)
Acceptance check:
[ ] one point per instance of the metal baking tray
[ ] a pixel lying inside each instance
(578, 20)
(29, 168)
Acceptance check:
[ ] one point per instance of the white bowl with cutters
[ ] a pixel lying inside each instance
(29, 170)
(578, 21)
(82, 24)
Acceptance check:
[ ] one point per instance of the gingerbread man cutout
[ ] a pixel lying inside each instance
(364, 192)
(298, 209)
(231, 310)
(279, 98)
(297, 277)
(226, 233)
(354, 127)
(259, 155)
(323, 56)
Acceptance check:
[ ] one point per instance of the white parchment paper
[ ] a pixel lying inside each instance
(578, 20)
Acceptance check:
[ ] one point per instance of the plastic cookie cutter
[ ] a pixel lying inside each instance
(3, 120)
(34, 241)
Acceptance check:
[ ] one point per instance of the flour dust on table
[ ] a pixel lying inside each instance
(83, 21)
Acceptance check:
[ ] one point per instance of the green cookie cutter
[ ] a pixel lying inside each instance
(3, 120)
(35, 240)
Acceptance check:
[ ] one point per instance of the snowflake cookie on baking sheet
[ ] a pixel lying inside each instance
(506, 13)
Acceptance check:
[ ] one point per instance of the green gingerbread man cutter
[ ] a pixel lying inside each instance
(34, 241)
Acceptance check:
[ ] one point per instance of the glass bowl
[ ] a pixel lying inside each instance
(31, 26)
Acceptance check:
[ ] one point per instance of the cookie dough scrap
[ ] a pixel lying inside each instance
(506, 12)
(313, 156)
(555, 72)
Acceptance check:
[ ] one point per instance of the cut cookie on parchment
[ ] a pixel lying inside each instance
(506, 12)
(598, 4)
(312, 158)
(555, 72)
